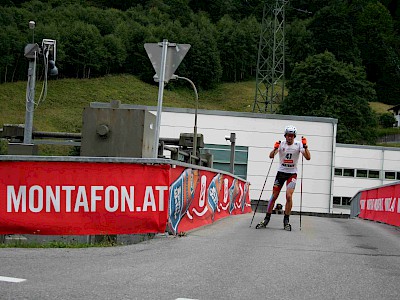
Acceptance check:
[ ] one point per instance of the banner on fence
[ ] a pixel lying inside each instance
(199, 197)
(381, 204)
(75, 198)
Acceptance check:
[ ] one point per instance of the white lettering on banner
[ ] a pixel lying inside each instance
(81, 200)
(39, 191)
(161, 189)
(378, 204)
(149, 199)
(86, 199)
(16, 200)
(95, 197)
(202, 199)
(362, 204)
(388, 204)
(52, 198)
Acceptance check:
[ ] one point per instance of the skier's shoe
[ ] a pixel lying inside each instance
(286, 224)
(288, 227)
(263, 223)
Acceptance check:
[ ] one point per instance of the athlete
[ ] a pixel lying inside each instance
(289, 152)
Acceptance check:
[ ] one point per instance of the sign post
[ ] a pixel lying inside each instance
(165, 61)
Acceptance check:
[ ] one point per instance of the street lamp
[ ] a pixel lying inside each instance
(195, 113)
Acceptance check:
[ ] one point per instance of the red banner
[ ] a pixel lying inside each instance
(381, 204)
(200, 197)
(75, 198)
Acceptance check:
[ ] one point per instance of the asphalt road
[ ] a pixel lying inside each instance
(327, 259)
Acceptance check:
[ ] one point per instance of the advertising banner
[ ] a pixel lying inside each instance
(199, 197)
(76, 198)
(381, 204)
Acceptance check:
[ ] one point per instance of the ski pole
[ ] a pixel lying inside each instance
(301, 188)
(262, 191)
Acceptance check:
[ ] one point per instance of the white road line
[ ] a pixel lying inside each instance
(11, 279)
(184, 299)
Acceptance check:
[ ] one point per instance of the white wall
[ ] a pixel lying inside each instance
(259, 132)
(366, 158)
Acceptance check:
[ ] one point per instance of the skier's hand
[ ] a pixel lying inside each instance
(277, 143)
(304, 142)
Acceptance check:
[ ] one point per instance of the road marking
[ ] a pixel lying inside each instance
(184, 299)
(11, 279)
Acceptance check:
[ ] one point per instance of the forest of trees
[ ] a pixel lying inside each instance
(100, 37)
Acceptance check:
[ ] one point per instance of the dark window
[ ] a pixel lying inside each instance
(362, 173)
(338, 172)
(348, 172)
(390, 175)
(373, 174)
(346, 200)
(336, 200)
(398, 176)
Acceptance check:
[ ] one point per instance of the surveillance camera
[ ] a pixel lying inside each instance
(32, 24)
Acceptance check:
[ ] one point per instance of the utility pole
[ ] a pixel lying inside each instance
(271, 58)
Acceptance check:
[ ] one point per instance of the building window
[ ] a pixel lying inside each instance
(338, 172)
(373, 174)
(336, 200)
(390, 175)
(221, 158)
(348, 172)
(346, 200)
(341, 201)
(362, 173)
(398, 176)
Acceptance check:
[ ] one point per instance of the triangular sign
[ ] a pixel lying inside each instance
(175, 55)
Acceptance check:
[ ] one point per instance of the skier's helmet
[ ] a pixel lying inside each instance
(290, 129)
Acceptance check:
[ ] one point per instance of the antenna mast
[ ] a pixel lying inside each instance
(270, 79)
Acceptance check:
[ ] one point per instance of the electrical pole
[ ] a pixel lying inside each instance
(271, 58)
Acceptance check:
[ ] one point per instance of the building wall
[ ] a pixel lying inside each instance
(259, 132)
(364, 158)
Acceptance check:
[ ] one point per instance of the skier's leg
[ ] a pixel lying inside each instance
(290, 186)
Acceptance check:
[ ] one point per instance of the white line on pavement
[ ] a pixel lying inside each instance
(11, 279)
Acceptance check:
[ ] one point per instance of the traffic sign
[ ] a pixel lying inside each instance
(175, 55)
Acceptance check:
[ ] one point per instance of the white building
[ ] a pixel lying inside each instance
(335, 173)
(396, 114)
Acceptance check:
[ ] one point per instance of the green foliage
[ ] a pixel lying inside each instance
(386, 120)
(322, 86)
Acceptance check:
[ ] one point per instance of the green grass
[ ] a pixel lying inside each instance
(379, 107)
(66, 99)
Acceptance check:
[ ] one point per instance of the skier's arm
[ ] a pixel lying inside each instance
(275, 150)
(306, 152)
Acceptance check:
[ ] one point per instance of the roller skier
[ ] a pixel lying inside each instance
(289, 152)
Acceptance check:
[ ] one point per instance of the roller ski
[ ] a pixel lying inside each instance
(286, 224)
(262, 224)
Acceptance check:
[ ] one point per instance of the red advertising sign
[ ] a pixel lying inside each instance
(381, 204)
(75, 198)
(199, 197)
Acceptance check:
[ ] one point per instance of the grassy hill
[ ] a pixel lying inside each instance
(63, 106)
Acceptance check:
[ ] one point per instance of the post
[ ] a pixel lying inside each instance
(194, 152)
(30, 101)
(160, 96)
(233, 144)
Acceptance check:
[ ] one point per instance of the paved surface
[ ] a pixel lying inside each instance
(327, 259)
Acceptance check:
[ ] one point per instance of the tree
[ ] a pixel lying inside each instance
(377, 41)
(322, 86)
(332, 31)
(84, 49)
(386, 120)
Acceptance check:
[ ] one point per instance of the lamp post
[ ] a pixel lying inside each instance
(195, 114)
